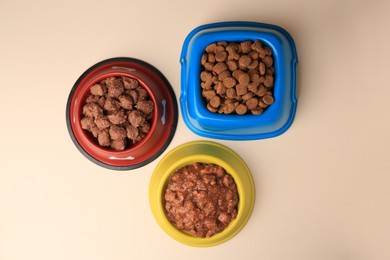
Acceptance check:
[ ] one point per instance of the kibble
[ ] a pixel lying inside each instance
(236, 77)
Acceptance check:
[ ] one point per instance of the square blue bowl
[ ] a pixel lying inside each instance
(276, 119)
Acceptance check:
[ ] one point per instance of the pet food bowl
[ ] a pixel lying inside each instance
(163, 122)
(203, 152)
(276, 119)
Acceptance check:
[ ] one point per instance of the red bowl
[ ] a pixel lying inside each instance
(163, 122)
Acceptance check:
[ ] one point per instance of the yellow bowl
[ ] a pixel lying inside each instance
(206, 152)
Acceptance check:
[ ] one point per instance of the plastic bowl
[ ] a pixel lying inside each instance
(206, 152)
(276, 119)
(163, 123)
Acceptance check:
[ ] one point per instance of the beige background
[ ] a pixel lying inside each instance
(322, 187)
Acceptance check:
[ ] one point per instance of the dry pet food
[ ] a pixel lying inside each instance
(237, 77)
(118, 112)
(201, 199)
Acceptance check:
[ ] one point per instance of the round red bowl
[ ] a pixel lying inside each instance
(163, 122)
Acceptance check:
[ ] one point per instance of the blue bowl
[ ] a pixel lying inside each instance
(276, 119)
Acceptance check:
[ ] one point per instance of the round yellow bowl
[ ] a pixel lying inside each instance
(206, 152)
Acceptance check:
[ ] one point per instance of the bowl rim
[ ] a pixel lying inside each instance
(172, 125)
(269, 124)
(243, 180)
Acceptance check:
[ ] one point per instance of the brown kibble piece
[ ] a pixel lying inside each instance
(220, 89)
(268, 51)
(211, 58)
(252, 103)
(229, 82)
(268, 99)
(211, 108)
(208, 94)
(246, 47)
(262, 68)
(206, 85)
(257, 111)
(257, 46)
(245, 61)
(203, 59)
(236, 74)
(206, 76)
(222, 43)
(269, 81)
(270, 70)
(221, 56)
(261, 90)
(211, 48)
(215, 101)
(224, 74)
(232, 50)
(262, 104)
(218, 49)
(253, 65)
(241, 89)
(244, 79)
(209, 66)
(219, 67)
(228, 108)
(247, 96)
(254, 55)
(241, 109)
(261, 79)
(268, 61)
(252, 87)
(254, 75)
(231, 93)
(232, 65)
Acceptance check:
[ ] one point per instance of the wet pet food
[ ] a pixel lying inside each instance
(201, 198)
(118, 112)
